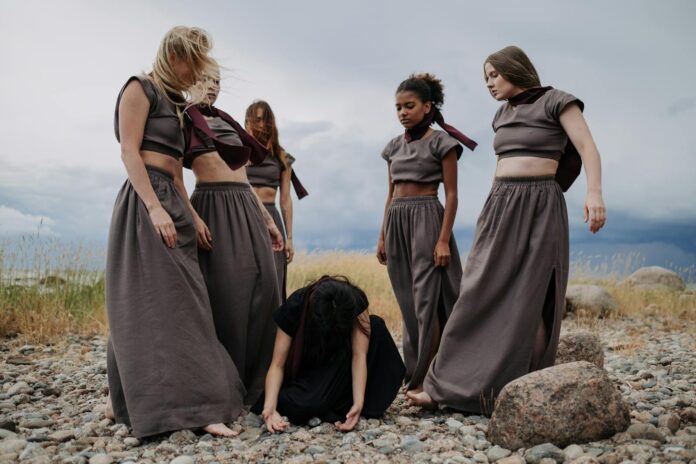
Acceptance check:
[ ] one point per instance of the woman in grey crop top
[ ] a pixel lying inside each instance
(236, 252)
(416, 241)
(507, 319)
(165, 367)
(271, 176)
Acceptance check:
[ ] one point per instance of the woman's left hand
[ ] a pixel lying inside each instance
(351, 421)
(595, 211)
(276, 237)
(205, 239)
(289, 251)
(441, 254)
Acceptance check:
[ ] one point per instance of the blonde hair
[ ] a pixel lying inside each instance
(190, 44)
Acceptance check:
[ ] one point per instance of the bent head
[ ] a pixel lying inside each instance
(416, 97)
(509, 72)
(182, 59)
(260, 121)
(211, 86)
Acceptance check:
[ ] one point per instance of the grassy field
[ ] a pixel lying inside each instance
(45, 295)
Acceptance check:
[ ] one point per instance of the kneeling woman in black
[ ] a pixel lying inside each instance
(331, 359)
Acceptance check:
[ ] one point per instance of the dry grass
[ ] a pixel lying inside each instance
(45, 294)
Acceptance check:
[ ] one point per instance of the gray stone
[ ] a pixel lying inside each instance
(131, 442)
(589, 299)
(349, 438)
(19, 388)
(12, 445)
(573, 452)
(453, 424)
(62, 435)
(410, 444)
(480, 457)
(182, 436)
(314, 422)
(253, 420)
(546, 450)
(315, 449)
(655, 278)
(670, 421)
(646, 432)
(31, 451)
(251, 434)
(514, 459)
(580, 346)
(182, 460)
(497, 453)
(101, 459)
(565, 404)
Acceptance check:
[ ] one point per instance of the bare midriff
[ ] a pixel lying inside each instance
(160, 160)
(415, 189)
(211, 168)
(525, 166)
(266, 194)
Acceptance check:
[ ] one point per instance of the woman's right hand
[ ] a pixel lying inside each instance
(381, 252)
(274, 421)
(163, 225)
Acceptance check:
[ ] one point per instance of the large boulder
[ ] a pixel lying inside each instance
(564, 404)
(580, 346)
(655, 278)
(591, 299)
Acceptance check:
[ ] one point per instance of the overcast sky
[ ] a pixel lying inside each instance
(329, 71)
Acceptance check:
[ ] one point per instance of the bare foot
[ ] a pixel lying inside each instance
(109, 409)
(220, 430)
(421, 399)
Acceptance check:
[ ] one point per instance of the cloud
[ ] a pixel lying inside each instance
(14, 223)
(681, 106)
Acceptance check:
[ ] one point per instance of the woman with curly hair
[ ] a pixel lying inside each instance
(416, 241)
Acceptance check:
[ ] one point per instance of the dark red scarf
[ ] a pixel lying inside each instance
(234, 156)
(418, 131)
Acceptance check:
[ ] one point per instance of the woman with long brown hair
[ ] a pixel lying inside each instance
(166, 369)
(416, 241)
(273, 174)
(507, 319)
(236, 250)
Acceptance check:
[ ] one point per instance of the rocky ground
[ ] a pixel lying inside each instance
(51, 403)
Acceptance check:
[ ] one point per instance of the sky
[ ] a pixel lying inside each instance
(330, 71)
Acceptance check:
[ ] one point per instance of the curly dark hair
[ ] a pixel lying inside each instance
(428, 88)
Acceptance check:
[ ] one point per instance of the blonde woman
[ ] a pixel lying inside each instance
(166, 369)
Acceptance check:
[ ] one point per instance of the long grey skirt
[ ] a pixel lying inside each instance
(166, 369)
(281, 262)
(515, 277)
(425, 293)
(241, 278)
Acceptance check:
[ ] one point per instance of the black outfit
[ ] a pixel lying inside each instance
(324, 388)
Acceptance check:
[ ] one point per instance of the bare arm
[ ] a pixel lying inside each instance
(205, 238)
(449, 178)
(286, 211)
(132, 116)
(576, 127)
(274, 380)
(276, 236)
(381, 251)
(360, 343)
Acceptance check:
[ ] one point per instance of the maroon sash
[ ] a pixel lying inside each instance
(233, 155)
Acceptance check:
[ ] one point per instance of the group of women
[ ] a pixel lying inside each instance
(199, 321)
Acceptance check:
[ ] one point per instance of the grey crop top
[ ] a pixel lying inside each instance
(419, 160)
(267, 174)
(532, 129)
(163, 132)
(224, 132)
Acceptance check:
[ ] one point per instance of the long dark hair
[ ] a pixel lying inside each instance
(269, 135)
(331, 304)
(515, 66)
